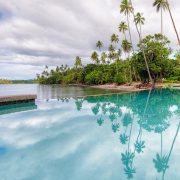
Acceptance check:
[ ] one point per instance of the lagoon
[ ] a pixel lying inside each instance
(120, 136)
(50, 91)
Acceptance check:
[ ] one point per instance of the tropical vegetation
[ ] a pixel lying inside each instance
(149, 61)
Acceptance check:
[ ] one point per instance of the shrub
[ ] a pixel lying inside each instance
(119, 79)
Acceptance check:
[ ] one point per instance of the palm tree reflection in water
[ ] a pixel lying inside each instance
(148, 110)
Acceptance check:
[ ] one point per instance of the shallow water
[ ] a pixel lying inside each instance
(95, 138)
(50, 91)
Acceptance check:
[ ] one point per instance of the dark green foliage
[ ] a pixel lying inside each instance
(109, 68)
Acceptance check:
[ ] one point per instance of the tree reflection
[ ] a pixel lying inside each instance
(123, 138)
(79, 103)
(100, 121)
(161, 163)
(139, 146)
(145, 111)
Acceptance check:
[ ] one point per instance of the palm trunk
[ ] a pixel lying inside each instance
(140, 38)
(161, 21)
(177, 131)
(130, 32)
(161, 34)
(144, 55)
(173, 22)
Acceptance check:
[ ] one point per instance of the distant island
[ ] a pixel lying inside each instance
(6, 81)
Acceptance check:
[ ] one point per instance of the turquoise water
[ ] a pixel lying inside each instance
(115, 137)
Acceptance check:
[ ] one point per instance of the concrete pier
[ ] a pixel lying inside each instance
(6, 100)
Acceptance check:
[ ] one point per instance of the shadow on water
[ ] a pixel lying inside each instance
(149, 111)
(7, 109)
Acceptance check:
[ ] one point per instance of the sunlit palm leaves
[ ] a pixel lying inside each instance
(127, 46)
(123, 27)
(160, 4)
(139, 19)
(126, 7)
(95, 57)
(99, 44)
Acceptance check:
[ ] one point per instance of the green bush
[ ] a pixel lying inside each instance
(95, 77)
(119, 79)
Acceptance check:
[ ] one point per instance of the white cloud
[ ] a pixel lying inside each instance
(53, 32)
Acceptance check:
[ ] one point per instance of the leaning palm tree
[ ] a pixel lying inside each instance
(127, 8)
(139, 21)
(95, 57)
(99, 44)
(160, 6)
(175, 29)
(123, 27)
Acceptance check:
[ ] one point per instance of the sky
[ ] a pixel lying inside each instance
(35, 33)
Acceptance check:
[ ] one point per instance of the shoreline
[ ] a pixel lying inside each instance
(126, 87)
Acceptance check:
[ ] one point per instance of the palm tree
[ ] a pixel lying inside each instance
(78, 62)
(127, 8)
(127, 46)
(160, 6)
(115, 40)
(99, 44)
(175, 29)
(103, 58)
(139, 21)
(95, 57)
(111, 48)
(123, 27)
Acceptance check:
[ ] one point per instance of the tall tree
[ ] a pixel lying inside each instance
(95, 57)
(115, 40)
(103, 58)
(123, 27)
(126, 46)
(174, 25)
(127, 8)
(78, 62)
(139, 21)
(160, 6)
(99, 44)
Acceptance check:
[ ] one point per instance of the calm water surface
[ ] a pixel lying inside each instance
(50, 91)
(114, 137)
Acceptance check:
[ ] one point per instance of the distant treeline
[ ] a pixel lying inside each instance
(110, 67)
(5, 81)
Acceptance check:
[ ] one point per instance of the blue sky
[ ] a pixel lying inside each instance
(53, 32)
